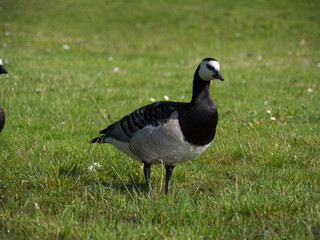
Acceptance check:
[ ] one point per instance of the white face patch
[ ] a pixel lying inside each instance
(205, 73)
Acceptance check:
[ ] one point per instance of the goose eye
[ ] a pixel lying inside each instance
(210, 67)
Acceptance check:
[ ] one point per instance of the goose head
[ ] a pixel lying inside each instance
(209, 69)
(2, 69)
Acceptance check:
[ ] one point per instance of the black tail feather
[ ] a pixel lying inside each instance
(97, 140)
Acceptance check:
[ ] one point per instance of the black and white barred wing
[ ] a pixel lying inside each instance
(153, 115)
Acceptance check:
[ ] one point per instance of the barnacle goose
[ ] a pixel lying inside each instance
(2, 69)
(169, 132)
(2, 116)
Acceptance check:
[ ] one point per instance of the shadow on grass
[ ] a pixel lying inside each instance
(95, 179)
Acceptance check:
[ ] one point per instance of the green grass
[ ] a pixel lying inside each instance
(260, 179)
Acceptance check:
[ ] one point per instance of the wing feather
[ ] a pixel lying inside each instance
(153, 114)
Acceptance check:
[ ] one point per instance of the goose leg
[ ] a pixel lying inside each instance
(147, 171)
(169, 170)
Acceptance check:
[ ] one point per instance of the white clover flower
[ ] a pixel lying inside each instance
(93, 166)
(166, 97)
(310, 90)
(265, 102)
(116, 69)
(259, 57)
(62, 123)
(238, 35)
(97, 164)
(273, 118)
(268, 111)
(110, 59)
(66, 47)
(152, 99)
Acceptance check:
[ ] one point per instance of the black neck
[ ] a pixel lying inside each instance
(201, 88)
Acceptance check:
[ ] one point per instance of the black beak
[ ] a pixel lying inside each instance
(3, 70)
(218, 76)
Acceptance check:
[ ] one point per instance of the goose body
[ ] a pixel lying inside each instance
(169, 132)
(2, 116)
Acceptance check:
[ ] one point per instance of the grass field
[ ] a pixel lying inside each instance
(77, 66)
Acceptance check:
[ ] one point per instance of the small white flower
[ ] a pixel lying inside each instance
(36, 205)
(110, 59)
(99, 73)
(243, 81)
(310, 90)
(14, 84)
(182, 97)
(259, 57)
(7, 33)
(166, 97)
(265, 102)
(152, 99)
(109, 90)
(116, 69)
(268, 111)
(93, 166)
(318, 65)
(238, 35)
(273, 118)
(66, 47)
(37, 90)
